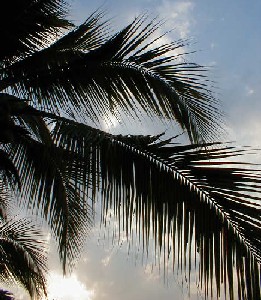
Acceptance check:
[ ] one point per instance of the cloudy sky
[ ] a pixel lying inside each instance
(227, 37)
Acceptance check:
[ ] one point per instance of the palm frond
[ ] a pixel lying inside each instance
(186, 236)
(220, 183)
(77, 159)
(166, 185)
(49, 188)
(125, 73)
(46, 179)
(86, 37)
(29, 25)
(23, 256)
(8, 171)
(196, 195)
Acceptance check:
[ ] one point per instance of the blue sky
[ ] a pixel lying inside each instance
(227, 37)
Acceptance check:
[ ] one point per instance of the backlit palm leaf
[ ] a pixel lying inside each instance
(23, 256)
(50, 189)
(48, 186)
(9, 173)
(167, 187)
(194, 194)
(124, 73)
(28, 25)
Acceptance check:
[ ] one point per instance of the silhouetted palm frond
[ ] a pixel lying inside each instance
(23, 256)
(51, 190)
(85, 71)
(199, 196)
(29, 24)
(46, 185)
(187, 197)
(8, 171)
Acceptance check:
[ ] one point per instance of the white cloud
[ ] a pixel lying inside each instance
(178, 15)
(67, 288)
(249, 91)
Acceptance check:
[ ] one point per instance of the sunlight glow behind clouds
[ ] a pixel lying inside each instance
(110, 122)
(67, 288)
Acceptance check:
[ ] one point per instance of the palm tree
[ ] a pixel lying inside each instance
(56, 79)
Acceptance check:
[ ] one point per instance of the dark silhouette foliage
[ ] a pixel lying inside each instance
(196, 201)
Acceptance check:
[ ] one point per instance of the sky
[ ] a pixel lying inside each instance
(226, 35)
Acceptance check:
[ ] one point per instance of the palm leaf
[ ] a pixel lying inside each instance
(231, 184)
(86, 37)
(48, 189)
(23, 256)
(29, 25)
(167, 187)
(122, 74)
(47, 183)
(9, 173)
(157, 177)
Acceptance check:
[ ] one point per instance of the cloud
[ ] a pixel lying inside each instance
(67, 288)
(178, 16)
(249, 91)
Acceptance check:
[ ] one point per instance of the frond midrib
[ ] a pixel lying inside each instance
(204, 195)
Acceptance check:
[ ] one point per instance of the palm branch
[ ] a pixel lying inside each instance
(88, 46)
(28, 25)
(162, 176)
(46, 184)
(22, 246)
(174, 190)
(23, 256)
(86, 71)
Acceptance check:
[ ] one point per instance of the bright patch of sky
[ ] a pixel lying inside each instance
(67, 288)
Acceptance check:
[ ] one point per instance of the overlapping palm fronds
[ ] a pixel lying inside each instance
(23, 259)
(86, 70)
(23, 249)
(28, 25)
(194, 194)
(154, 183)
(46, 182)
(190, 196)
(23, 253)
